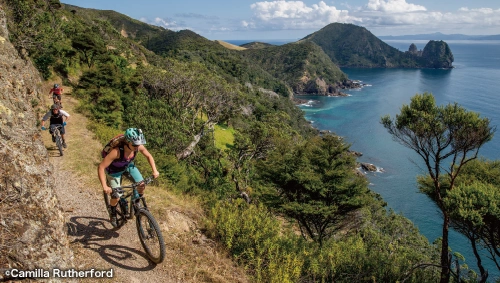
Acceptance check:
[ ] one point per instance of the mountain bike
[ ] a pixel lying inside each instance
(147, 227)
(56, 136)
(57, 101)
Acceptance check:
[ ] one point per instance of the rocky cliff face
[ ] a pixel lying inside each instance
(437, 54)
(32, 233)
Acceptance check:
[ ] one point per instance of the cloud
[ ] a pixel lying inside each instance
(295, 15)
(393, 6)
(166, 23)
(379, 16)
(473, 17)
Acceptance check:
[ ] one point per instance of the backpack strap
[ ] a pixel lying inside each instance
(122, 152)
(121, 148)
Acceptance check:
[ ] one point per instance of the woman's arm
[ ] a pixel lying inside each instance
(142, 149)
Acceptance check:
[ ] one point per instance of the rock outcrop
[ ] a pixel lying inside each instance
(437, 54)
(32, 227)
(319, 86)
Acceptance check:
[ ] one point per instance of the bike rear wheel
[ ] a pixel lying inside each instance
(120, 216)
(150, 236)
(59, 143)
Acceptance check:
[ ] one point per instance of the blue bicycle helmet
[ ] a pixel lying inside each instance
(135, 136)
(56, 86)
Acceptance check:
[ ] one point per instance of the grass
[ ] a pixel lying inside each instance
(224, 136)
(229, 45)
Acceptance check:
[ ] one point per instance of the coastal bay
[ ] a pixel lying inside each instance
(473, 83)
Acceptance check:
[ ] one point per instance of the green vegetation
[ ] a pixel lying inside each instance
(316, 185)
(224, 137)
(298, 64)
(438, 134)
(256, 45)
(285, 202)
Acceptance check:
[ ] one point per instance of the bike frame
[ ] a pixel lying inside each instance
(130, 192)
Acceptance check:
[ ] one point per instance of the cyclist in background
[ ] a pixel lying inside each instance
(56, 92)
(57, 117)
(119, 160)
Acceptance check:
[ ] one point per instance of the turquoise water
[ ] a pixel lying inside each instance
(474, 83)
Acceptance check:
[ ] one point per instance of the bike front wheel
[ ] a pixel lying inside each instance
(150, 236)
(59, 144)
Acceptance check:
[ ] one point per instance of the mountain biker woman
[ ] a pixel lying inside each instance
(120, 160)
(57, 117)
(56, 92)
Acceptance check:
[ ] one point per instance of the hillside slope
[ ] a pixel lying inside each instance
(304, 66)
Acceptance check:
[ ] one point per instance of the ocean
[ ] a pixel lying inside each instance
(474, 83)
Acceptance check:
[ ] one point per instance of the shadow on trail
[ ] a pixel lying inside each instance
(52, 150)
(93, 234)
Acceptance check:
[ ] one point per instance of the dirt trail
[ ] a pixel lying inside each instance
(190, 257)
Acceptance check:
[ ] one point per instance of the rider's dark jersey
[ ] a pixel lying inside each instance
(55, 118)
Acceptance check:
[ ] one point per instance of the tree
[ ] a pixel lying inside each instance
(439, 134)
(192, 96)
(317, 185)
(475, 208)
(89, 46)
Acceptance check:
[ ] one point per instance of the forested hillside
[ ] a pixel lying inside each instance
(304, 66)
(349, 45)
(286, 202)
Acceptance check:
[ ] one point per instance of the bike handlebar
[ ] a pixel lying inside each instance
(134, 185)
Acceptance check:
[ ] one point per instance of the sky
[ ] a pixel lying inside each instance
(283, 19)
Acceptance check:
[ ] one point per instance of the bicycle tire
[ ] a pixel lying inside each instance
(150, 234)
(120, 217)
(59, 143)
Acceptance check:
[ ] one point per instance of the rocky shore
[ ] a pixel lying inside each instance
(320, 88)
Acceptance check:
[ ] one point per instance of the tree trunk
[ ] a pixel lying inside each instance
(484, 273)
(445, 260)
(196, 139)
(190, 148)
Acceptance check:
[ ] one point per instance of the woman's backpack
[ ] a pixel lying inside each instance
(114, 142)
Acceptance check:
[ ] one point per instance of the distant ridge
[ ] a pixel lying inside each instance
(256, 45)
(440, 36)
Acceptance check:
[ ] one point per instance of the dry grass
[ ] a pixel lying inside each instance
(229, 45)
(191, 257)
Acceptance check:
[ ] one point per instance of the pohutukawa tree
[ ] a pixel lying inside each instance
(446, 138)
(317, 185)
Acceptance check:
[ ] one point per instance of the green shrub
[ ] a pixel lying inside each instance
(254, 237)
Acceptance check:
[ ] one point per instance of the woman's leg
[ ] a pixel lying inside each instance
(136, 175)
(114, 181)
